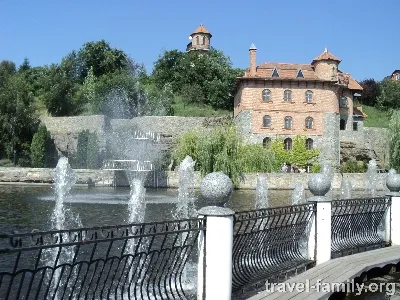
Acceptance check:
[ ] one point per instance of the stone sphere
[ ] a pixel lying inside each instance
(216, 189)
(319, 184)
(393, 182)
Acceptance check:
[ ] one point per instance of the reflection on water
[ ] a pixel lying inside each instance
(27, 207)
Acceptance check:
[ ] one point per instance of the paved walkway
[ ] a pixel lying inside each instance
(334, 271)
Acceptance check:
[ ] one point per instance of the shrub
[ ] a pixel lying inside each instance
(353, 166)
(41, 150)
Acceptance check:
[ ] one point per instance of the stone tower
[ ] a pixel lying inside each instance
(200, 40)
(326, 66)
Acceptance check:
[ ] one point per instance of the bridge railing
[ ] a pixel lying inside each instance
(136, 261)
(270, 243)
(359, 225)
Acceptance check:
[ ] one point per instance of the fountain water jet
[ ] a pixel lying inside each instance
(371, 178)
(261, 193)
(186, 193)
(298, 195)
(345, 189)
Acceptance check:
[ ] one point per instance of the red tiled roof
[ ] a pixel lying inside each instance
(286, 71)
(326, 55)
(358, 111)
(201, 29)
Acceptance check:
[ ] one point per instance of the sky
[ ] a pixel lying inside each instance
(364, 34)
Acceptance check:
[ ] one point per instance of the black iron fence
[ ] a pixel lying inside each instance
(359, 225)
(270, 244)
(137, 261)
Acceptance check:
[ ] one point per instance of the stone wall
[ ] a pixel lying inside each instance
(369, 143)
(283, 181)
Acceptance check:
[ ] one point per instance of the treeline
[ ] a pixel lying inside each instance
(383, 94)
(99, 79)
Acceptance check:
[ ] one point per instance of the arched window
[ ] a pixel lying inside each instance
(343, 101)
(266, 95)
(309, 123)
(266, 142)
(197, 40)
(288, 123)
(287, 144)
(309, 96)
(309, 144)
(267, 121)
(204, 40)
(287, 95)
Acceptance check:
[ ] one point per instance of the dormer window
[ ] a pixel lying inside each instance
(343, 101)
(267, 121)
(309, 96)
(275, 73)
(300, 74)
(287, 95)
(266, 95)
(288, 122)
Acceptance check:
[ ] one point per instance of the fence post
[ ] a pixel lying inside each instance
(393, 184)
(214, 279)
(319, 185)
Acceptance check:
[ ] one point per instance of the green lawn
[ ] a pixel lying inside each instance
(376, 117)
(192, 110)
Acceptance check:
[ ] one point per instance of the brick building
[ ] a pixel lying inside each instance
(284, 99)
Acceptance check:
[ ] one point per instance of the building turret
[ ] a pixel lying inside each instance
(326, 66)
(200, 40)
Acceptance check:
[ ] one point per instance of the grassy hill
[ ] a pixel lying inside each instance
(376, 117)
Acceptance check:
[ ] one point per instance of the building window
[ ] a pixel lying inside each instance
(355, 126)
(309, 96)
(309, 123)
(343, 102)
(397, 76)
(287, 144)
(287, 95)
(342, 124)
(266, 95)
(266, 142)
(309, 144)
(204, 40)
(197, 40)
(288, 122)
(267, 121)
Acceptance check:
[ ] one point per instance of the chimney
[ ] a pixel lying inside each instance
(253, 61)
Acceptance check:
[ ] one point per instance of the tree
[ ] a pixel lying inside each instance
(58, 92)
(394, 148)
(389, 94)
(25, 66)
(7, 69)
(370, 92)
(18, 119)
(195, 76)
(42, 149)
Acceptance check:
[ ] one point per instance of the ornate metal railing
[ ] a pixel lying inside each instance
(269, 244)
(359, 225)
(137, 261)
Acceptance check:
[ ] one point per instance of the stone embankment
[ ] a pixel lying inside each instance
(171, 179)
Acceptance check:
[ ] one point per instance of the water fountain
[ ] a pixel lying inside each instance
(298, 195)
(371, 178)
(345, 189)
(327, 170)
(186, 193)
(261, 192)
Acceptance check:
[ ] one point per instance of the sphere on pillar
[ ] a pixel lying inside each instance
(319, 184)
(216, 189)
(393, 182)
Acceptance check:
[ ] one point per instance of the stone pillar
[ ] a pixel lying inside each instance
(393, 219)
(253, 60)
(214, 279)
(320, 238)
